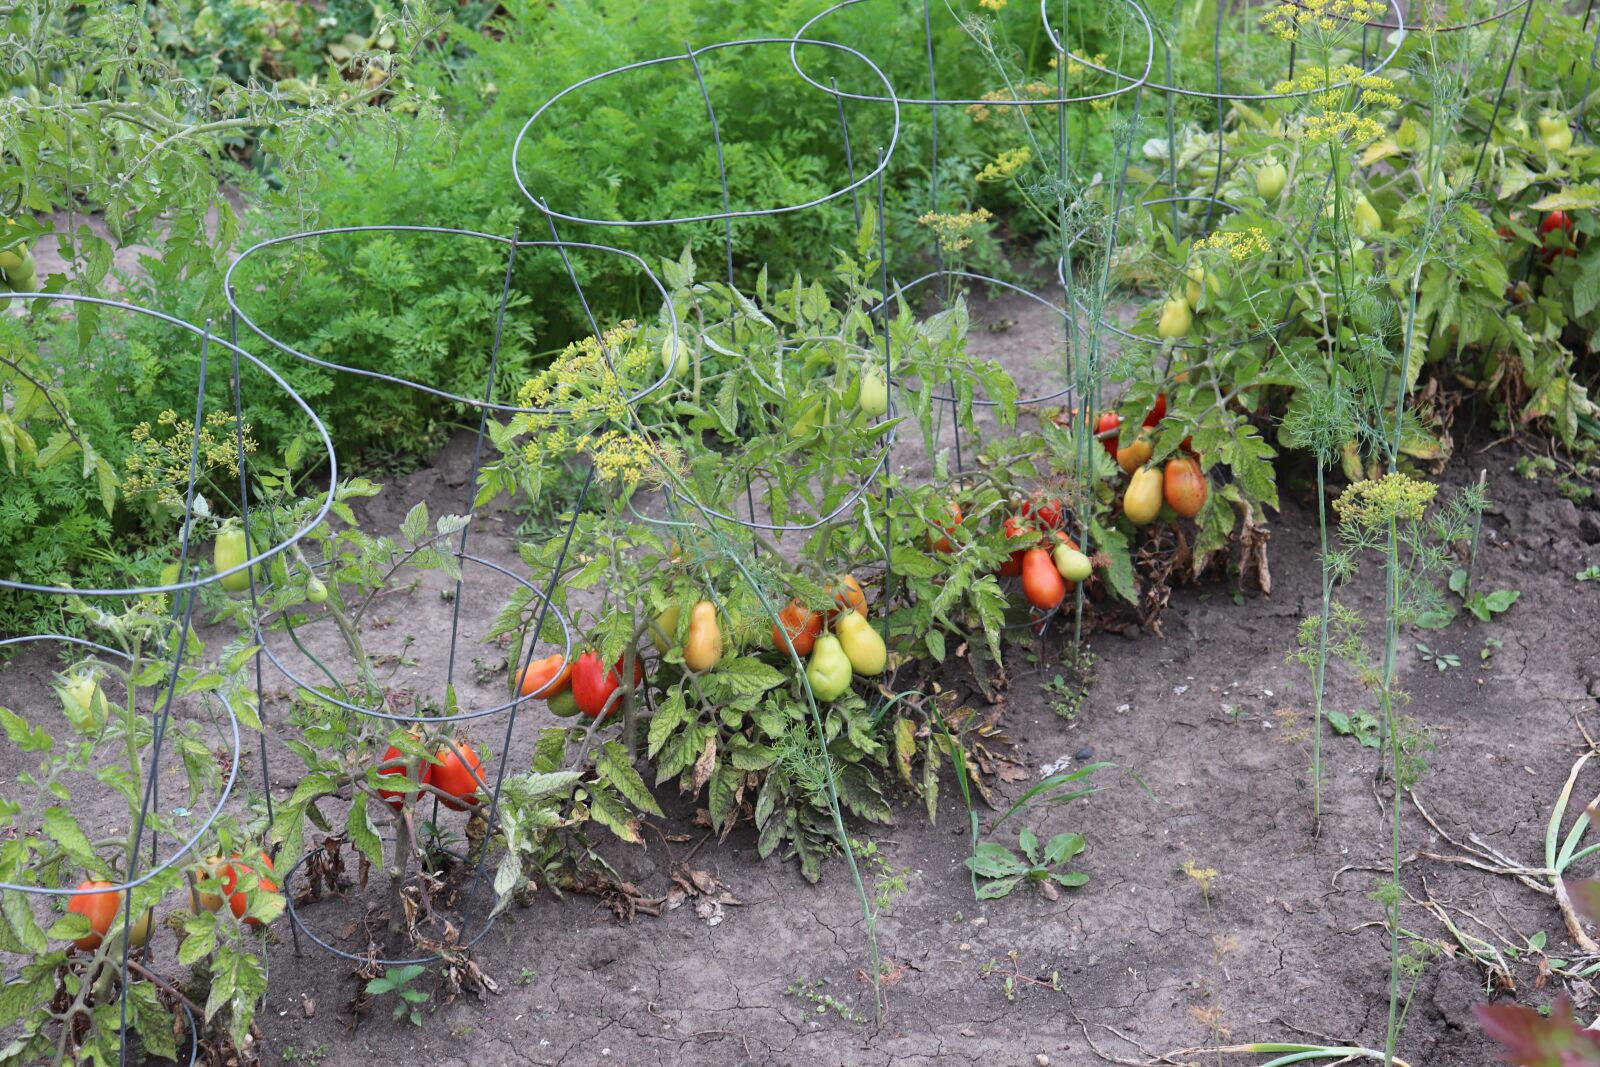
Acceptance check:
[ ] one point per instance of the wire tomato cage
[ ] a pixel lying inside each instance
(185, 697)
(491, 401)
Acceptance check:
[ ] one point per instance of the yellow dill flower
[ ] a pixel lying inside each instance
(1236, 244)
(1393, 498)
(952, 229)
(1357, 131)
(992, 5)
(159, 461)
(1008, 163)
(1289, 19)
(590, 380)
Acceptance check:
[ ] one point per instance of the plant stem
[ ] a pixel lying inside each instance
(1319, 673)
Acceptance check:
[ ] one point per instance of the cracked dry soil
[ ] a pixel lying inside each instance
(1213, 722)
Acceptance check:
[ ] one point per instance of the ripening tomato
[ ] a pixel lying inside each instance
(1136, 455)
(1563, 245)
(829, 671)
(1141, 501)
(1184, 486)
(1072, 564)
(238, 902)
(544, 678)
(799, 626)
(873, 396)
(316, 591)
(451, 775)
(848, 595)
(99, 908)
(703, 647)
(1109, 421)
(863, 646)
(395, 798)
(1042, 584)
(665, 627)
(563, 705)
(943, 544)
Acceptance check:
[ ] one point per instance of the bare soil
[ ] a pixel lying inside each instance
(1209, 717)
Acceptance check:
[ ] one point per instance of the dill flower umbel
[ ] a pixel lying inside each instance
(1395, 497)
(1006, 164)
(159, 462)
(1295, 18)
(1236, 244)
(590, 381)
(952, 229)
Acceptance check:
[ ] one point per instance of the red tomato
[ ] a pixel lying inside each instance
(1109, 421)
(1557, 220)
(450, 775)
(595, 688)
(1015, 528)
(1184, 486)
(798, 625)
(1158, 412)
(1048, 513)
(544, 678)
(239, 902)
(1042, 584)
(99, 908)
(395, 798)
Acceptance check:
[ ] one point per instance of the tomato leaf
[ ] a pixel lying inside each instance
(614, 766)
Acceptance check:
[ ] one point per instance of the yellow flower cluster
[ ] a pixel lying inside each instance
(1392, 498)
(1357, 131)
(590, 380)
(982, 112)
(992, 5)
(951, 230)
(1294, 17)
(1008, 163)
(1331, 86)
(159, 462)
(1236, 244)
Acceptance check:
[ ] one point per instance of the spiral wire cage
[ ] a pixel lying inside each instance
(184, 593)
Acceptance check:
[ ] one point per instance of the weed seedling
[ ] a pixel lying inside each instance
(1000, 870)
(398, 981)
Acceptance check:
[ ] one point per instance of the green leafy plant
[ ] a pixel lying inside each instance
(1441, 660)
(397, 980)
(1001, 870)
(1483, 606)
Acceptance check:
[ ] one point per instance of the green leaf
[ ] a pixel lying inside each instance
(1063, 847)
(998, 888)
(612, 764)
(362, 833)
(606, 809)
(670, 714)
(994, 860)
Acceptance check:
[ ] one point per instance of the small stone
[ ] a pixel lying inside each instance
(964, 947)
(1594, 687)
(1084, 753)
(980, 921)
(1041, 1060)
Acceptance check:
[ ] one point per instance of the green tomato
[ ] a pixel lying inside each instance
(1367, 219)
(829, 669)
(316, 592)
(811, 416)
(563, 705)
(873, 397)
(1270, 180)
(1073, 565)
(1555, 133)
(1175, 318)
(228, 552)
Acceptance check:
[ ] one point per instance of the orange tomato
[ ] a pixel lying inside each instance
(99, 908)
(450, 775)
(943, 543)
(848, 594)
(1042, 584)
(395, 798)
(799, 626)
(544, 678)
(1184, 486)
